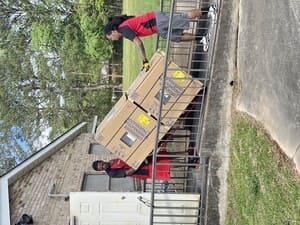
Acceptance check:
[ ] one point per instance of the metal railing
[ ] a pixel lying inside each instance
(188, 168)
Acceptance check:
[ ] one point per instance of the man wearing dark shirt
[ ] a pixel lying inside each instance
(134, 27)
(139, 26)
(117, 168)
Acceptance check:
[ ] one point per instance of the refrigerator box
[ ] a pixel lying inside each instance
(146, 147)
(156, 62)
(128, 132)
(180, 90)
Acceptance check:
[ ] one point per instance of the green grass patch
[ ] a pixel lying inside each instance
(132, 62)
(261, 189)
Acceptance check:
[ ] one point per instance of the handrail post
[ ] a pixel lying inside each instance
(154, 156)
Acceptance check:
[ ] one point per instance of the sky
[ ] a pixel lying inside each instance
(22, 144)
(43, 139)
(39, 143)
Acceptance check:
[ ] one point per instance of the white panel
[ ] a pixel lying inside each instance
(88, 223)
(118, 208)
(184, 201)
(84, 223)
(108, 208)
(85, 207)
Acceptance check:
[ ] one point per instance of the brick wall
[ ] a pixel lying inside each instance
(66, 168)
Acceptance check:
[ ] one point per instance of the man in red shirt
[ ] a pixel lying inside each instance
(134, 27)
(117, 168)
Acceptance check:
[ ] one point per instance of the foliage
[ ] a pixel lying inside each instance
(44, 37)
(51, 55)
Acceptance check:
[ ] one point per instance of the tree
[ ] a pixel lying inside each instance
(45, 47)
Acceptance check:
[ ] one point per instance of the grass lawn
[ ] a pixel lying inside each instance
(261, 188)
(132, 63)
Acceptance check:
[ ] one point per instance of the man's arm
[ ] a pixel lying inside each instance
(120, 173)
(139, 44)
(128, 33)
(130, 171)
(116, 173)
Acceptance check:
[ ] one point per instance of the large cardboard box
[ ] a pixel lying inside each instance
(146, 147)
(180, 90)
(128, 132)
(129, 129)
(157, 63)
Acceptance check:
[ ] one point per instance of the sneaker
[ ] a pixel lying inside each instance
(205, 42)
(212, 12)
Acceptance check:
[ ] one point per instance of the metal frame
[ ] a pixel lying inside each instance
(187, 175)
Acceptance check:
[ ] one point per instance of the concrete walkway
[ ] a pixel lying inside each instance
(215, 138)
(269, 69)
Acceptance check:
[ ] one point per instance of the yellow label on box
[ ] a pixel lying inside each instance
(144, 120)
(179, 76)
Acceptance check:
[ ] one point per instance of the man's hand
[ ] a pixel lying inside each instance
(146, 65)
(130, 171)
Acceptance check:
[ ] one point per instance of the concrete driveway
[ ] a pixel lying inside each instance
(269, 68)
